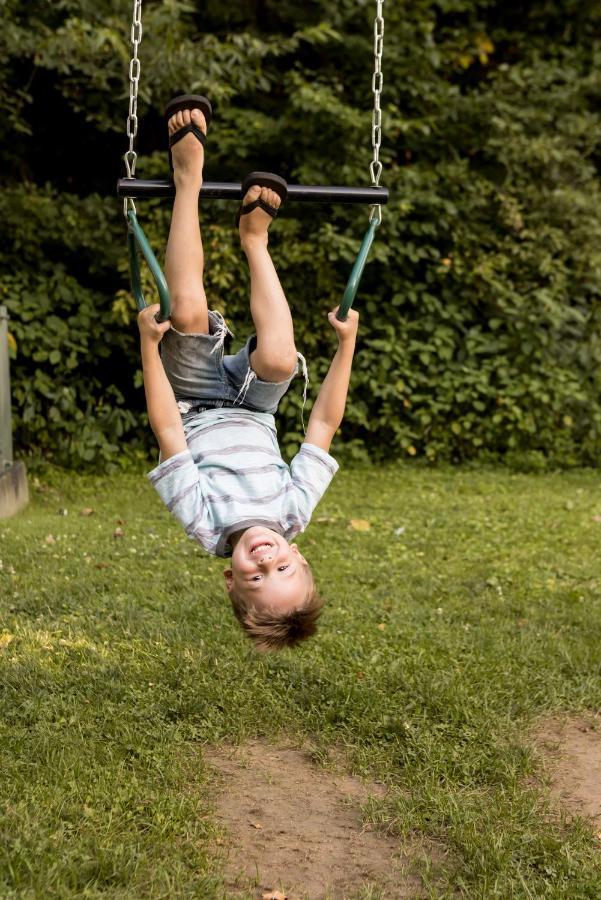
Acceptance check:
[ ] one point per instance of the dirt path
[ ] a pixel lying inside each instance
(572, 752)
(295, 827)
(292, 826)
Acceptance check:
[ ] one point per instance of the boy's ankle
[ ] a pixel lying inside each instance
(253, 243)
(187, 181)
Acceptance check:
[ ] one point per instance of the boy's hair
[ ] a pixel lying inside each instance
(271, 629)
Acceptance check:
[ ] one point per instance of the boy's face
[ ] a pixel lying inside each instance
(267, 570)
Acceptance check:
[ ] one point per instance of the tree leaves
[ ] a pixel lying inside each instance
(481, 301)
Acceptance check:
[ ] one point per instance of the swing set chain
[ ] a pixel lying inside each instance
(131, 156)
(377, 83)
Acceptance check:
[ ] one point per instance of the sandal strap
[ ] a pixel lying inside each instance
(270, 210)
(190, 128)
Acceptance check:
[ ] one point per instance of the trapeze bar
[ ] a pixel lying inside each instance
(139, 189)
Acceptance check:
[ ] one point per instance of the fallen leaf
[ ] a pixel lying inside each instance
(274, 895)
(101, 565)
(382, 626)
(323, 520)
(5, 640)
(118, 533)
(50, 539)
(359, 524)
(256, 825)
(87, 511)
(596, 518)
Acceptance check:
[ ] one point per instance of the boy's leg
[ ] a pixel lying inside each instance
(274, 358)
(184, 257)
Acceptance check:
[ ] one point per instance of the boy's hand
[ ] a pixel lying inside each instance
(347, 330)
(150, 329)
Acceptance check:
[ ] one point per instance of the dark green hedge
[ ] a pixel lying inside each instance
(481, 305)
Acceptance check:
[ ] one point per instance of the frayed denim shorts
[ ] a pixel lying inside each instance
(201, 375)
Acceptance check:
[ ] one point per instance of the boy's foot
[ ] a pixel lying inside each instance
(254, 225)
(188, 154)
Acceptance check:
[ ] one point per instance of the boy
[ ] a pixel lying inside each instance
(221, 473)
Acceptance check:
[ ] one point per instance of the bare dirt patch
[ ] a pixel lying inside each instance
(571, 749)
(295, 826)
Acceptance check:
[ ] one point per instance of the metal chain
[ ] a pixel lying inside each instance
(377, 83)
(131, 156)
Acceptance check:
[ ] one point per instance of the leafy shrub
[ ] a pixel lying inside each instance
(480, 308)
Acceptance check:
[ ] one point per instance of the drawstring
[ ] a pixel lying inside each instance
(221, 332)
(305, 371)
(248, 380)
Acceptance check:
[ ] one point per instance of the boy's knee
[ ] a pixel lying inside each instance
(276, 368)
(188, 315)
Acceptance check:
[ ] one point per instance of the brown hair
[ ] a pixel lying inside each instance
(271, 629)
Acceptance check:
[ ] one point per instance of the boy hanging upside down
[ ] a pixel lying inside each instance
(221, 473)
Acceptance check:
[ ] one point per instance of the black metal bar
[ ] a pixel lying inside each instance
(139, 189)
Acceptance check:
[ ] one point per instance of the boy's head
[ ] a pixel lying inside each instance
(271, 588)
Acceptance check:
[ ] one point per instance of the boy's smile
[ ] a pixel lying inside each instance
(267, 570)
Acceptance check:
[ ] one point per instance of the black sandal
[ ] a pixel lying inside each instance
(263, 179)
(188, 101)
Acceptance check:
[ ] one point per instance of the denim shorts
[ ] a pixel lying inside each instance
(202, 375)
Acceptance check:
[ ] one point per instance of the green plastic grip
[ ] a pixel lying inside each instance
(357, 271)
(137, 240)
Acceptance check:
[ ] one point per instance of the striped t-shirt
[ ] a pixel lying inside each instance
(232, 476)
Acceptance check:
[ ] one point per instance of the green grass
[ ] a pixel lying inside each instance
(438, 649)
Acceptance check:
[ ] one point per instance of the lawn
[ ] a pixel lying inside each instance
(467, 611)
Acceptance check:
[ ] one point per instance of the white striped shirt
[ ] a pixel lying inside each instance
(232, 476)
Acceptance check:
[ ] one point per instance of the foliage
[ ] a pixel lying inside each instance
(481, 305)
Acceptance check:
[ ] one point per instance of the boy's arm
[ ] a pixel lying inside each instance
(328, 411)
(163, 412)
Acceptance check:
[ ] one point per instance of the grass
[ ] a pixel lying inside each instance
(470, 608)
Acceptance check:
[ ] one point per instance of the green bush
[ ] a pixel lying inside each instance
(481, 304)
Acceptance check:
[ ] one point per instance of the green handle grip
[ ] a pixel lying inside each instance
(357, 271)
(137, 240)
